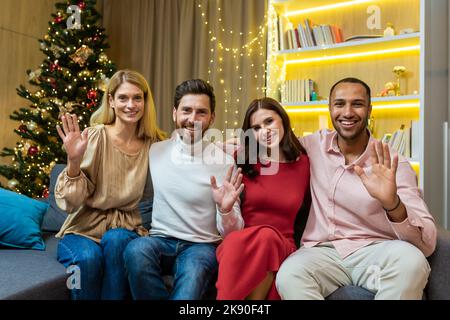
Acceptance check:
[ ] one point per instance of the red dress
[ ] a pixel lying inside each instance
(269, 209)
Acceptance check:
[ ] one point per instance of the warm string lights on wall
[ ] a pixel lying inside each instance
(221, 54)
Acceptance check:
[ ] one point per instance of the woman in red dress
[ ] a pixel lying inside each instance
(276, 178)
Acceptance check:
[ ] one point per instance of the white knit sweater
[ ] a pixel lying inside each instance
(183, 206)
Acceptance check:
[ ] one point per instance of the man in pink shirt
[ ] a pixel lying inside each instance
(368, 224)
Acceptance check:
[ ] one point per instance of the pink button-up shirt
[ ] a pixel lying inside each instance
(343, 212)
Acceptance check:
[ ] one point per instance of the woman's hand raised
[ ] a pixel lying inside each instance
(75, 143)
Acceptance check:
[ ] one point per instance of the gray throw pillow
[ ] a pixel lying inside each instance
(54, 217)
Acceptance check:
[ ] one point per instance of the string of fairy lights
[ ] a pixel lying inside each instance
(220, 53)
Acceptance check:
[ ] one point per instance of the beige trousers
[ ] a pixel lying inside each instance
(390, 269)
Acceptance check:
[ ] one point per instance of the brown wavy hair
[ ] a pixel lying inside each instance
(289, 145)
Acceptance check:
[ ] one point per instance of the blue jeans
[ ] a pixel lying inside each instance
(101, 266)
(192, 265)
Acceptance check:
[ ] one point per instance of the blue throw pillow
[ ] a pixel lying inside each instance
(20, 222)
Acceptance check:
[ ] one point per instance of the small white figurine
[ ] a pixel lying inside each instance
(389, 31)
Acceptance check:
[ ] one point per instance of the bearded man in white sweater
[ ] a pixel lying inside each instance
(191, 213)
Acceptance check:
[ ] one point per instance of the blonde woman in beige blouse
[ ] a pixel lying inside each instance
(103, 183)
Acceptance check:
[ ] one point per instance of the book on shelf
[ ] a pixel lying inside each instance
(297, 38)
(298, 90)
(402, 141)
(305, 35)
(289, 38)
(326, 30)
(309, 34)
(415, 140)
(302, 34)
(282, 24)
(337, 34)
(396, 139)
(319, 36)
(407, 144)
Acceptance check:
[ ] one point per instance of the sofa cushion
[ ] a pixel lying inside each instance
(21, 220)
(54, 217)
(31, 274)
(438, 287)
(146, 208)
(146, 203)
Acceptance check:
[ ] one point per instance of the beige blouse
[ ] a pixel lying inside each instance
(107, 192)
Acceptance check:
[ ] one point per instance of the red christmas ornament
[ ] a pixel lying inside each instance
(92, 94)
(90, 104)
(96, 38)
(58, 19)
(82, 5)
(45, 193)
(55, 66)
(23, 128)
(33, 150)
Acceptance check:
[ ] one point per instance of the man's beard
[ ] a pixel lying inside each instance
(191, 137)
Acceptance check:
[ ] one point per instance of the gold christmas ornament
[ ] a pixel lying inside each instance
(45, 114)
(31, 125)
(34, 75)
(81, 55)
(70, 105)
(67, 108)
(25, 148)
(57, 101)
(56, 50)
(48, 169)
(103, 58)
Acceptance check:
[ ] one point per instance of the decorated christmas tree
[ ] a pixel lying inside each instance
(71, 79)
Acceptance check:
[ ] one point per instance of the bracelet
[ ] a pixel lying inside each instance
(396, 206)
(224, 213)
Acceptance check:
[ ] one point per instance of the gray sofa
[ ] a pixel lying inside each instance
(32, 274)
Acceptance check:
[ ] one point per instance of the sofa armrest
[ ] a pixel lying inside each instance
(438, 287)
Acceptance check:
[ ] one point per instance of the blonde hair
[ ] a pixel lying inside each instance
(147, 124)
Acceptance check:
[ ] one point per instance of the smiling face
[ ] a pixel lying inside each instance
(267, 127)
(350, 110)
(128, 103)
(193, 116)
